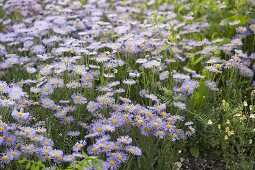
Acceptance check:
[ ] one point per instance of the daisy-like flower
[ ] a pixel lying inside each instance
(143, 92)
(28, 149)
(73, 85)
(79, 145)
(20, 115)
(47, 142)
(67, 120)
(180, 105)
(159, 107)
(245, 71)
(73, 133)
(93, 106)
(112, 163)
(94, 149)
(47, 89)
(47, 103)
(124, 139)
(252, 27)
(16, 92)
(56, 154)
(141, 60)
(30, 70)
(129, 82)
(57, 82)
(241, 30)
(211, 85)
(122, 157)
(9, 140)
(79, 99)
(160, 133)
(164, 75)
(87, 77)
(69, 158)
(27, 131)
(134, 150)
(6, 157)
(3, 87)
(98, 129)
(15, 153)
(35, 90)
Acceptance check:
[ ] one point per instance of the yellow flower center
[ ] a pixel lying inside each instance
(5, 157)
(139, 122)
(9, 139)
(112, 163)
(99, 129)
(115, 121)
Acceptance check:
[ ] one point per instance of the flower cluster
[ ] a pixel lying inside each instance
(87, 76)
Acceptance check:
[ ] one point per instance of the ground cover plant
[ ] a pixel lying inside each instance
(126, 84)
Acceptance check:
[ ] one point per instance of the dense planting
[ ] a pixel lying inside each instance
(126, 84)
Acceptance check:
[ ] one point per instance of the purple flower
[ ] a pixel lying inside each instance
(20, 115)
(47, 142)
(15, 153)
(159, 107)
(57, 82)
(47, 103)
(79, 99)
(38, 49)
(5, 158)
(116, 120)
(241, 30)
(3, 87)
(79, 145)
(124, 139)
(134, 150)
(93, 106)
(56, 154)
(236, 42)
(121, 157)
(73, 85)
(144, 92)
(180, 105)
(112, 163)
(164, 75)
(29, 148)
(47, 89)
(212, 85)
(73, 133)
(69, 158)
(245, 71)
(94, 149)
(9, 140)
(252, 27)
(16, 92)
(129, 82)
(87, 77)
(189, 86)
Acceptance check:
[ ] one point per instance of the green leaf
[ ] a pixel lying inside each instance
(84, 153)
(33, 167)
(164, 47)
(22, 161)
(194, 152)
(40, 164)
(162, 19)
(180, 9)
(28, 165)
(92, 157)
